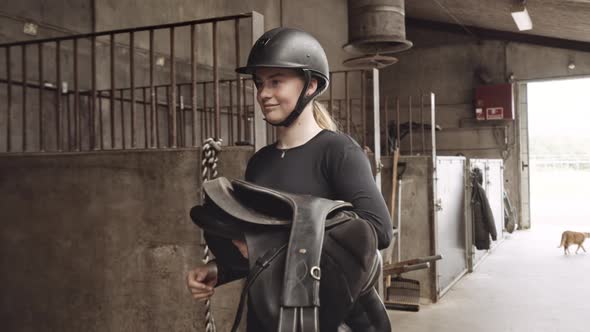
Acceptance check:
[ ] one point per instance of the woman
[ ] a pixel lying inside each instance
(310, 156)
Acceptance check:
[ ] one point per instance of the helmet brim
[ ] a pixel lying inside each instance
(251, 69)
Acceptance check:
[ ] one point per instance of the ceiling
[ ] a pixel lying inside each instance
(561, 19)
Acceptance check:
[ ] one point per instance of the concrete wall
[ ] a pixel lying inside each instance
(102, 241)
(54, 18)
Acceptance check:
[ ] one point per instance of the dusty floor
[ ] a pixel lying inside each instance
(526, 283)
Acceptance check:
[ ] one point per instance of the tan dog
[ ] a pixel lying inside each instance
(570, 237)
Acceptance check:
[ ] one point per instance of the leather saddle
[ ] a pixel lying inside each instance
(294, 241)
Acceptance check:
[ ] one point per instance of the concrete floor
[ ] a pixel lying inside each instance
(525, 284)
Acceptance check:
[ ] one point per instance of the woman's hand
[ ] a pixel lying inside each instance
(242, 247)
(202, 280)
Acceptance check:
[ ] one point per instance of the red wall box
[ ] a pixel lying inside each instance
(494, 102)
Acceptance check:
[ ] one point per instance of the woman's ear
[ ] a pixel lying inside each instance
(313, 86)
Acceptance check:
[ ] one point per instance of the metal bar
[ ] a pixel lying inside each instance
(41, 89)
(422, 122)
(194, 83)
(238, 79)
(172, 98)
(92, 115)
(433, 126)
(398, 140)
(244, 118)
(112, 94)
(347, 97)
(259, 123)
(182, 127)
(339, 112)
(145, 118)
(386, 122)
(216, 84)
(331, 107)
(77, 116)
(205, 115)
(122, 108)
(58, 94)
(132, 84)
(24, 115)
(230, 118)
(202, 117)
(68, 123)
(137, 29)
(410, 125)
(152, 91)
(364, 107)
(376, 128)
(100, 121)
(157, 115)
(9, 101)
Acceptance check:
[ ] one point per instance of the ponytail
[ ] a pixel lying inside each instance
(323, 117)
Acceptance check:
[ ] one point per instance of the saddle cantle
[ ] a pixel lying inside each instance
(294, 241)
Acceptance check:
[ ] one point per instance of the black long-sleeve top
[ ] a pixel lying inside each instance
(330, 165)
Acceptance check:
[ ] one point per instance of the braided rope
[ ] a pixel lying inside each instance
(211, 148)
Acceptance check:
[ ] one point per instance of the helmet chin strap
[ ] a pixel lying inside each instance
(301, 102)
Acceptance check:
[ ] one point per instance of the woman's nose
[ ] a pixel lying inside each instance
(264, 92)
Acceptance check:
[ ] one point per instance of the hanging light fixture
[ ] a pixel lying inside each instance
(521, 16)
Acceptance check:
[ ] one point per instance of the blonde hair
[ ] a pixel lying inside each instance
(323, 117)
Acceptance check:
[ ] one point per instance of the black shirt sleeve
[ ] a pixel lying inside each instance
(352, 180)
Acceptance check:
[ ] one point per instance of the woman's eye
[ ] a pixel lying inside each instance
(276, 82)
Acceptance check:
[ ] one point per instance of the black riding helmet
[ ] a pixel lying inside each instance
(293, 49)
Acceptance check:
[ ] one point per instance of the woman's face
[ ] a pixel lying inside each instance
(277, 91)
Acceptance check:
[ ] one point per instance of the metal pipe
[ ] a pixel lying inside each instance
(68, 123)
(216, 84)
(157, 115)
(100, 121)
(410, 125)
(9, 101)
(172, 98)
(347, 97)
(145, 118)
(92, 116)
(41, 89)
(24, 115)
(386, 116)
(230, 121)
(339, 112)
(363, 108)
(112, 94)
(132, 84)
(422, 122)
(238, 79)
(194, 56)
(331, 96)
(181, 128)
(77, 117)
(398, 140)
(58, 94)
(245, 113)
(122, 107)
(168, 90)
(152, 92)
(205, 115)
(202, 114)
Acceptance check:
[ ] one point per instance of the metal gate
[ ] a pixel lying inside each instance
(450, 222)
